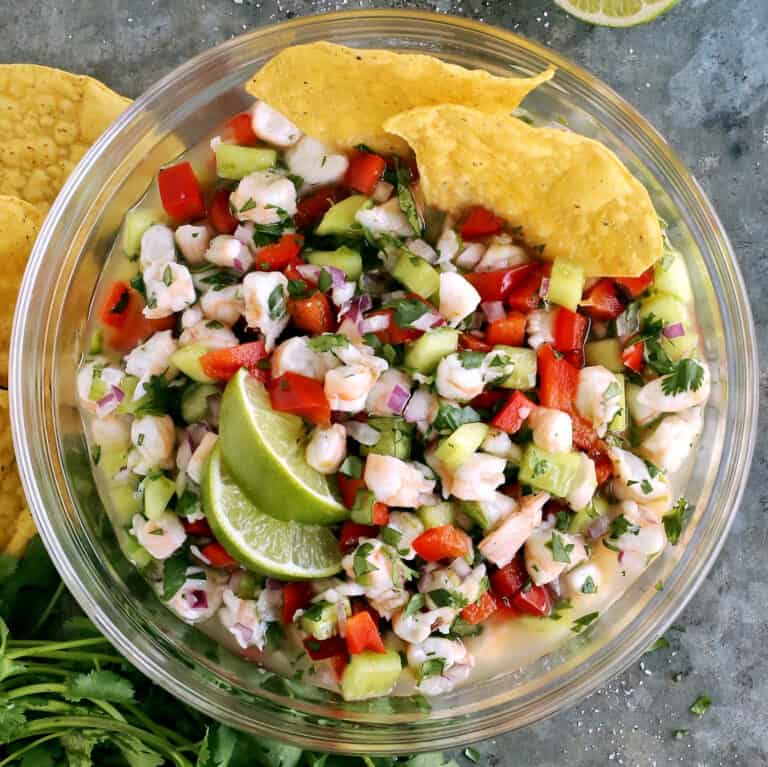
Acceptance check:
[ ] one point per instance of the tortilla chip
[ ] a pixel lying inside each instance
(48, 120)
(15, 519)
(567, 192)
(19, 225)
(342, 96)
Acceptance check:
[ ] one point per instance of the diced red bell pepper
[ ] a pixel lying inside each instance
(339, 663)
(394, 334)
(240, 130)
(126, 323)
(524, 297)
(351, 532)
(558, 380)
(217, 555)
(489, 398)
(473, 343)
(219, 213)
(363, 634)
(180, 192)
(636, 286)
(199, 527)
(380, 513)
(509, 332)
(602, 460)
(575, 357)
(364, 172)
(348, 487)
(632, 356)
(311, 208)
(498, 284)
(313, 314)
(602, 302)
(584, 436)
(296, 596)
(508, 580)
(537, 601)
(443, 542)
(278, 255)
(570, 330)
(361, 605)
(513, 413)
(300, 395)
(481, 610)
(480, 222)
(322, 649)
(222, 364)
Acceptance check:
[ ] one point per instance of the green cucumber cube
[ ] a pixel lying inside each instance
(417, 275)
(456, 449)
(321, 619)
(475, 511)
(236, 162)
(670, 311)
(395, 437)
(362, 509)
(187, 359)
(525, 364)
(339, 219)
(136, 223)
(424, 354)
(581, 520)
(194, 402)
(606, 352)
(133, 551)
(438, 515)
(370, 675)
(125, 503)
(158, 491)
(619, 421)
(551, 472)
(344, 258)
(566, 284)
(670, 275)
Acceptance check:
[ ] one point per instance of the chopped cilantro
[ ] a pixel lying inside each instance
(563, 521)
(446, 598)
(561, 551)
(432, 667)
(620, 526)
(249, 204)
(646, 486)
(679, 734)
(220, 279)
(324, 281)
(408, 310)
(276, 303)
(327, 342)
(582, 623)
(415, 604)
(450, 417)
(360, 563)
(659, 586)
(471, 360)
(352, 466)
(167, 275)
(137, 283)
(589, 586)
(660, 644)
(540, 468)
(297, 288)
(96, 454)
(390, 536)
(472, 754)
(700, 705)
(407, 203)
(685, 375)
(673, 522)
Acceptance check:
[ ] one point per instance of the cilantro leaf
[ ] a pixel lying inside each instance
(582, 623)
(174, 575)
(360, 563)
(221, 279)
(12, 721)
(218, 746)
(660, 644)
(327, 342)
(471, 360)
(450, 417)
(415, 604)
(700, 705)
(408, 310)
(100, 685)
(324, 281)
(589, 586)
(136, 753)
(685, 375)
(561, 551)
(620, 526)
(432, 667)
(446, 598)
(276, 303)
(673, 522)
(407, 203)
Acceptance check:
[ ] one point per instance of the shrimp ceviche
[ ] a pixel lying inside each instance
(372, 443)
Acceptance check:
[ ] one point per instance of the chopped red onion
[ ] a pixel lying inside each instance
(494, 310)
(341, 613)
(238, 264)
(312, 273)
(418, 407)
(355, 309)
(343, 293)
(544, 287)
(375, 324)
(196, 432)
(362, 433)
(273, 583)
(244, 234)
(198, 600)
(109, 401)
(599, 527)
(242, 634)
(398, 399)
(428, 320)
(674, 331)
(183, 454)
(461, 567)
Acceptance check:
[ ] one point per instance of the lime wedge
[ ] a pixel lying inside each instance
(287, 550)
(616, 13)
(264, 452)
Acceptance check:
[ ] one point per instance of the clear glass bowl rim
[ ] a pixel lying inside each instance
(398, 735)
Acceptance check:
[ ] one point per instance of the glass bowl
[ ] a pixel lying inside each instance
(48, 341)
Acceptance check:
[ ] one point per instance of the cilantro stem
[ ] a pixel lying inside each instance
(57, 723)
(44, 615)
(16, 754)
(158, 729)
(44, 648)
(37, 669)
(87, 657)
(35, 689)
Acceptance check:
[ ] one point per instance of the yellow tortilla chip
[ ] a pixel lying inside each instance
(19, 225)
(48, 120)
(342, 96)
(568, 193)
(16, 526)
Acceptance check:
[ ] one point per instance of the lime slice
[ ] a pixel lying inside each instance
(287, 550)
(264, 452)
(616, 13)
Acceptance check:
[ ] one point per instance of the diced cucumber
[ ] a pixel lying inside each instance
(566, 284)
(424, 354)
(619, 421)
(133, 550)
(236, 162)
(417, 275)
(187, 359)
(362, 510)
(395, 437)
(158, 491)
(670, 311)
(194, 402)
(344, 258)
(112, 461)
(456, 449)
(340, 219)
(670, 275)
(637, 412)
(370, 674)
(98, 388)
(125, 503)
(581, 520)
(249, 585)
(97, 342)
(525, 364)
(438, 515)
(475, 511)
(136, 223)
(551, 472)
(606, 352)
(321, 619)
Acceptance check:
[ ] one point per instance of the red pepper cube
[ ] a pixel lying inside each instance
(364, 172)
(217, 555)
(479, 223)
(180, 192)
(513, 413)
(222, 364)
(481, 610)
(240, 129)
(508, 580)
(602, 302)
(632, 356)
(636, 286)
(500, 283)
(363, 634)
(351, 533)
(536, 600)
(558, 380)
(570, 330)
(296, 596)
(509, 331)
(300, 395)
(219, 214)
(443, 542)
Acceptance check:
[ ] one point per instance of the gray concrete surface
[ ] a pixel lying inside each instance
(700, 74)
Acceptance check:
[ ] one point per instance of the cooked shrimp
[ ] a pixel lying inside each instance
(161, 536)
(225, 305)
(502, 544)
(395, 482)
(552, 429)
(327, 448)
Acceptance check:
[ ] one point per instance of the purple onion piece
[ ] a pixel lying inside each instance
(544, 288)
(242, 634)
(428, 320)
(418, 407)
(493, 310)
(674, 331)
(198, 600)
(362, 433)
(599, 527)
(375, 324)
(398, 398)
(309, 272)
